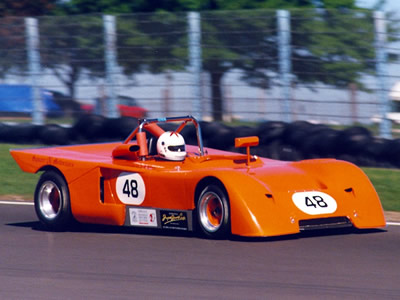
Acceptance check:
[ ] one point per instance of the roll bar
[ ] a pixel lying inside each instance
(144, 123)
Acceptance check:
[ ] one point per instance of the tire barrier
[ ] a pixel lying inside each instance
(278, 140)
(23, 133)
(53, 134)
(5, 132)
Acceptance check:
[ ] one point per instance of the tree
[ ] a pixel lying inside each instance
(71, 46)
(74, 45)
(151, 42)
(247, 40)
(13, 49)
(326, 51)
(12, 30)
(218, 59)
(241, 40)
(22, 8)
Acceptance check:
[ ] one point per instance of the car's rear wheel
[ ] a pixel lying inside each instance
(213, 212)
(52, 203)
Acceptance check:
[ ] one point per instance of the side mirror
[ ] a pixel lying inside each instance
(247, 142)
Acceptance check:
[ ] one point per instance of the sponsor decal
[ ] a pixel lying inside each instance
(40, 159)
(314, 202)
(143, 217)
(54, 161)
(174, 220)
(61, 162)
(130, 188)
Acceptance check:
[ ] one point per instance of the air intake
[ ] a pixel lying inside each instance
(325, 223)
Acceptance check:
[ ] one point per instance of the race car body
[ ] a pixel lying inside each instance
(217, 192)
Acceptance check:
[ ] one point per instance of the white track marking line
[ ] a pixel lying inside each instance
(393, 223)
(16, 203)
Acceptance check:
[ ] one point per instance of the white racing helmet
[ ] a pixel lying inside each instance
(171, 146)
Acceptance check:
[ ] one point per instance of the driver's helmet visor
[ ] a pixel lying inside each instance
(178, 148)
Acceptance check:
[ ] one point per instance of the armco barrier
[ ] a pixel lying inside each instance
(278, 140)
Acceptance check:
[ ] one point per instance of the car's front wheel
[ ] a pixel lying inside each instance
(213, 213)
(52, 203)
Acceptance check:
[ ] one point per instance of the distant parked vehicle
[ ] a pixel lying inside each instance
(127, 106)
(70, 107)
(17, 100)
(394, 114)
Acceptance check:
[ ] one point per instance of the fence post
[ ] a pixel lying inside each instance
(385, 127)
(32, 42)
(283, 20)
(195, 61)
(110, 55)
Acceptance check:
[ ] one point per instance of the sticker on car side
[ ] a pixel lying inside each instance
(314, 202)
(143, 217)
(130, 188)
(174, 220)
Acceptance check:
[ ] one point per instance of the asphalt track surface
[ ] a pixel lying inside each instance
(100, 262)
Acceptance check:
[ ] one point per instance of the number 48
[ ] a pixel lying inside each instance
(316, 201)
(131, 188)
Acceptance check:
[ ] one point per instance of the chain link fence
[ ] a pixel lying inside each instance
(334, 67)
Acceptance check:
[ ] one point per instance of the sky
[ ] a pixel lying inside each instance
(390, 5)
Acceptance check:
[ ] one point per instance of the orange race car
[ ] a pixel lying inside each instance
(152, 179)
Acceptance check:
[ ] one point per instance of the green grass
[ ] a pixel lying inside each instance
(12, 180)
(15, 182)
(63, 120)
(387, 184)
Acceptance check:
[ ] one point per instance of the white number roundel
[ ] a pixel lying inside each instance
(130, 188)
(314, 202)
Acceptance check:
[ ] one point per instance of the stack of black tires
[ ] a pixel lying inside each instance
(278, 140)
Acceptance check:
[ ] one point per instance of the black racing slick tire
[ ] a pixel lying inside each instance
(52, 201)
(213, 212)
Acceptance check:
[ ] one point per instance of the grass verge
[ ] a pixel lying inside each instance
(387, 184)
(12, 180)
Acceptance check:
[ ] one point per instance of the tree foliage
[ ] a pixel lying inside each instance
(246, 40)
(325, 50)
(26, 7)
(152, 42)
(12, 45)
(242, 40)
(141, 6)
(70, 47)
(12, 30)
